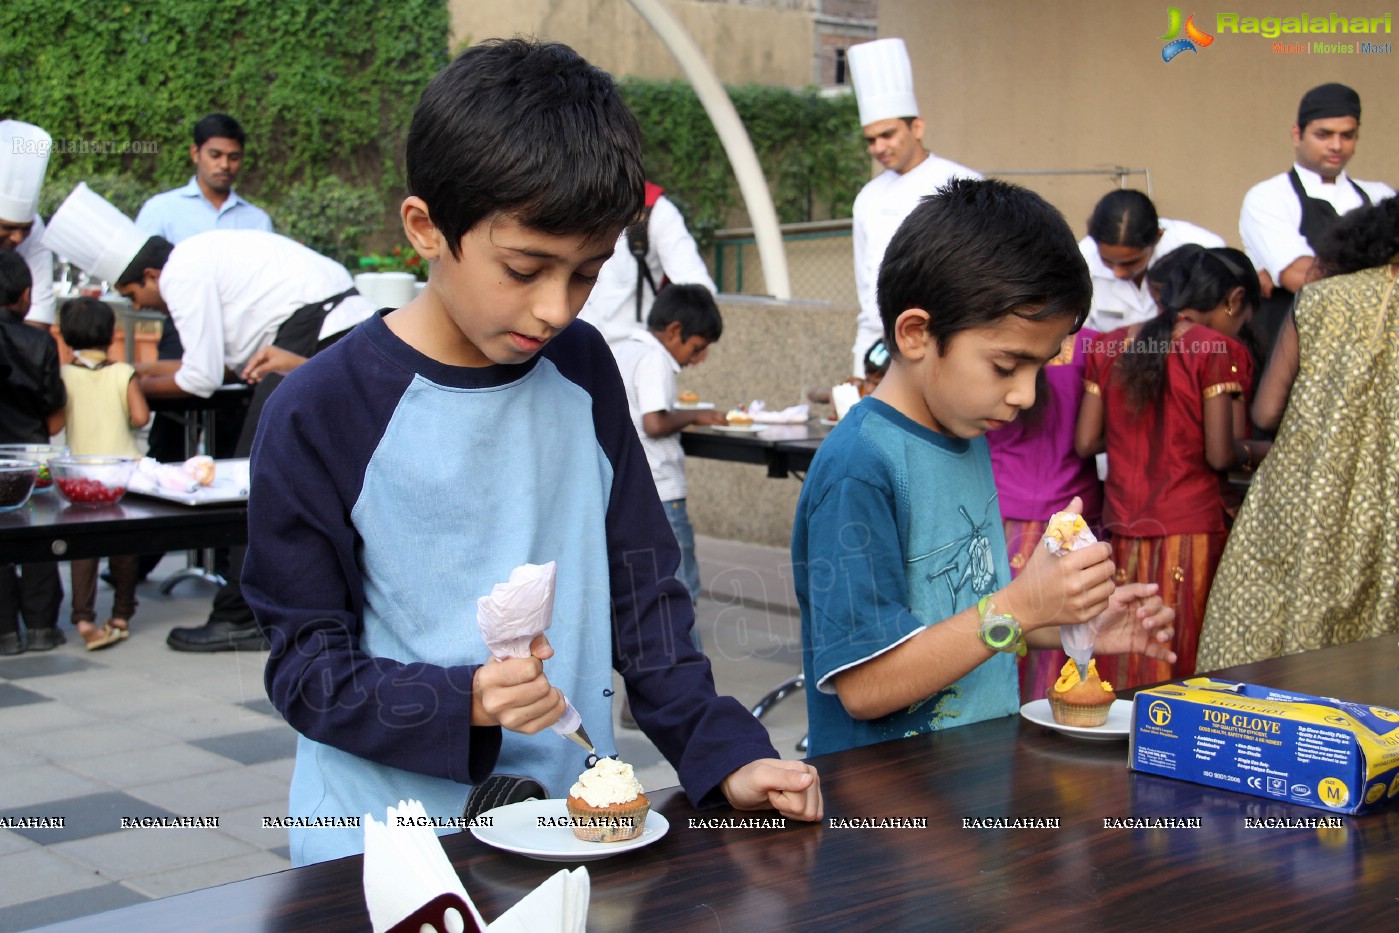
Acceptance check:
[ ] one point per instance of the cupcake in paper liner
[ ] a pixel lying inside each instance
(606, 804)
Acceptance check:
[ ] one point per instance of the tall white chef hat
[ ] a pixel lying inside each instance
(24, 157)
(883, 80)
(93, 235)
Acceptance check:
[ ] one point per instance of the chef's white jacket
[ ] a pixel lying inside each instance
(1272, 213)
(1121, 302)
(40, 261)
(880, 207)
(228, 291)
(671, 253)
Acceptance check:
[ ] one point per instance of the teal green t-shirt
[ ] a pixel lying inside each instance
(897, 528)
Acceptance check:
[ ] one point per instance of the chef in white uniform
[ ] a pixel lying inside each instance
(671, 257)
(1125, 239)
(24, 157)
(230, 292)
(893, 132)
(233, 294)
(1284, 217)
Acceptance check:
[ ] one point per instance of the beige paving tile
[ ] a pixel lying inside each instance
(132, 852)
(145, 766)
(39, 784)
(91, 740)
(11, 842)
(213, 794)
(246, 824)
(207, 874)
(43, 717)
(41, 872)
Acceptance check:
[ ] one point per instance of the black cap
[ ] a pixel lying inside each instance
(1326, 101)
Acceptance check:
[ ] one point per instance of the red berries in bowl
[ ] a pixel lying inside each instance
(92, 481)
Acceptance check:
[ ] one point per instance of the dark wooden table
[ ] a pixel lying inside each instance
(783, 448)
(1221, 876)
(48, 528)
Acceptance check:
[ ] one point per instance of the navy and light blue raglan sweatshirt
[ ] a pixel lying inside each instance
(389, 492)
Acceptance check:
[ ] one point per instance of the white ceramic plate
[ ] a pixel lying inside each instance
(516, 829)
(694, 406)
(738, 428)
(231, 479)
(1118, 726)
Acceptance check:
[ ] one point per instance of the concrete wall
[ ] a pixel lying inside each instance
(1008, 84)
(745, 44)
(771, 351)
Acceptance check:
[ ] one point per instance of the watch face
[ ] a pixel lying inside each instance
(1000, 633)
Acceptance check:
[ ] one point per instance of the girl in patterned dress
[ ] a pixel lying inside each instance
(1168, 400)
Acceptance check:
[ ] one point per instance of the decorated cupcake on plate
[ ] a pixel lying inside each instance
(1084, 702)
(606, 804)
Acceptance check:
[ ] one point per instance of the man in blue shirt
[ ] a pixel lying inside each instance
(207, 202)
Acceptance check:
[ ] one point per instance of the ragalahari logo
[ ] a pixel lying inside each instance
(1192, 41)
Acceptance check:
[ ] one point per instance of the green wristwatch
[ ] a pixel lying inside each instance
(998, 631)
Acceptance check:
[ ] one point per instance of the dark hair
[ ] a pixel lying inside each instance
(979, 250)
(1125, 218)
(527, 129)
(86, 324)
(1198, 280)
(693, 306)
(15, 278)
(1364, 238)
(218, 124)
(152, 255)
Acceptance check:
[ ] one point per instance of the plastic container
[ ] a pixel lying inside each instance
(40, 454)
(92, 481)
(16, 483)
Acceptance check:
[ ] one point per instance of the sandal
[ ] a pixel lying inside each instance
(120, 628)
(95, 638)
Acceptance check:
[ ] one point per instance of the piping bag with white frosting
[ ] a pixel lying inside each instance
(512, 614)
(1065, 532)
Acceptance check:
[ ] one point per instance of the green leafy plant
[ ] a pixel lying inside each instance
(398, 259)
(324, 88)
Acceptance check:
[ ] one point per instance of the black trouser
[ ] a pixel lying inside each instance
(32, 592)
(299, 334)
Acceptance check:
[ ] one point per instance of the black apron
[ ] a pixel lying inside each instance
(1318, 216)
(299, 334)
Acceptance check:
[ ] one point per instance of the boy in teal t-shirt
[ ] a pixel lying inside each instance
(898, 551)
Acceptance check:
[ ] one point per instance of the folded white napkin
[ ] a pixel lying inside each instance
(405, 868)
(797, 414)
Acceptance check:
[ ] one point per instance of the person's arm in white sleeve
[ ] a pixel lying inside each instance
(1268, 228)
(673, 252)
(197, 313)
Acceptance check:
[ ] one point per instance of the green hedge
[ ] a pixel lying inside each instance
(326, 90)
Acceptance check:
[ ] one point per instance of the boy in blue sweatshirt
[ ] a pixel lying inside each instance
(403, 472)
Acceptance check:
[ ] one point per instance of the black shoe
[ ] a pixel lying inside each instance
(10, 643)
(218, 636)
(45, 639)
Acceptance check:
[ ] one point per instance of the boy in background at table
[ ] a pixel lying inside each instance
(31, 410)
(898, 552)
(105, 405)
(683, 323)
(403, 472)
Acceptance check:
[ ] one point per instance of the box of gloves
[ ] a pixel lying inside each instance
(1291, 747)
